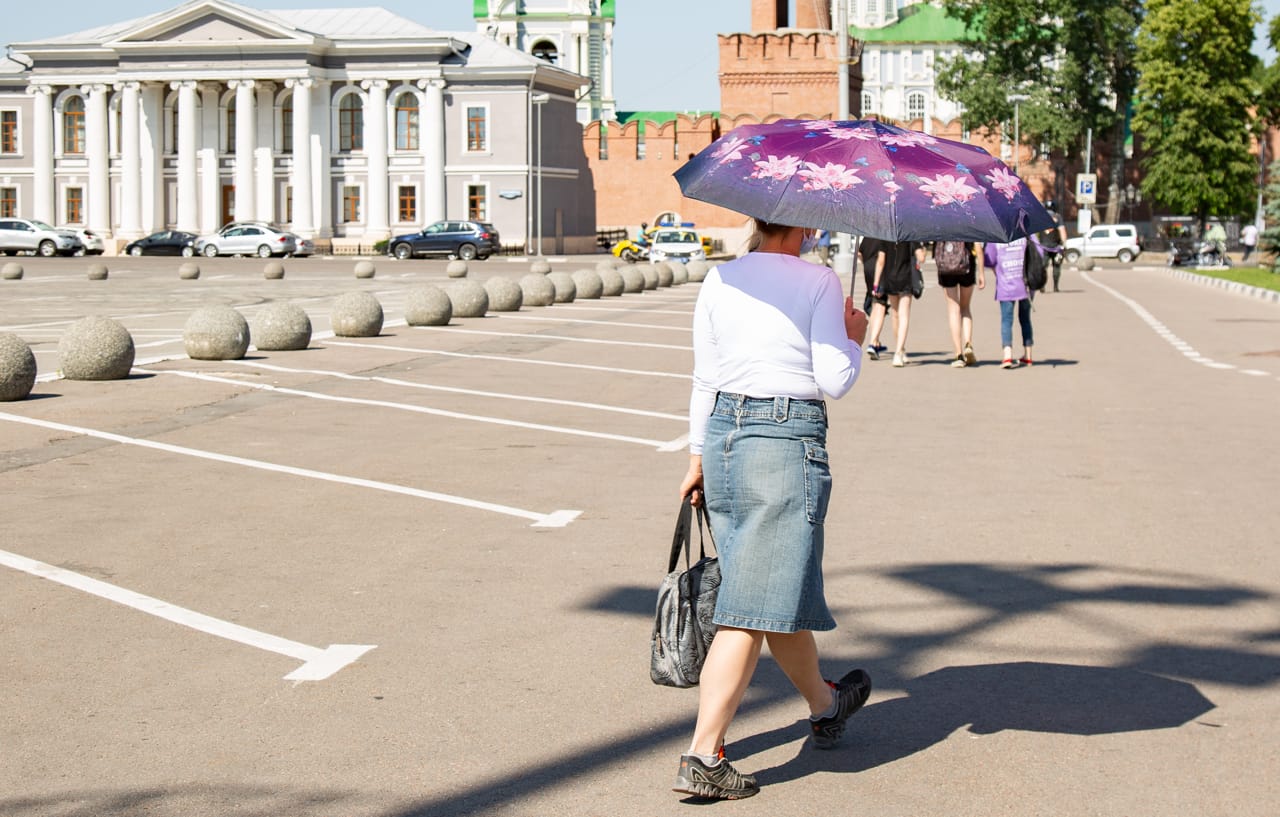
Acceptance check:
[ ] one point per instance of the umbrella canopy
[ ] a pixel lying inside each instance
(864, 177)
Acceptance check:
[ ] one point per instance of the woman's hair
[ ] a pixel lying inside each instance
(764, 229)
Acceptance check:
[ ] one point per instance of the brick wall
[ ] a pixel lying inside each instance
(789, 74)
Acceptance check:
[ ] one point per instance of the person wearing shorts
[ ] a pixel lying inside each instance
(957, 288)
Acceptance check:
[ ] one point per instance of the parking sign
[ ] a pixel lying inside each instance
(1086, 188)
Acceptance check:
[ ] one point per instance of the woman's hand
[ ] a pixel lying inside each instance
(855, 322)
(692, 485)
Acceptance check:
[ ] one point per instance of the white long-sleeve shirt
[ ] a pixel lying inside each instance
(769, 325)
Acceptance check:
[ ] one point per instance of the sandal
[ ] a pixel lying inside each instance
(1026, 361)
(1008, 363)
(969, 357)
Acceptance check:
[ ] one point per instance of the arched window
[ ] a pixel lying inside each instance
(407, 122)
(73, 125)
(545, 50)
(350, 124)
(915, 105)
(868, 104)
(286, 125)
(231, 125)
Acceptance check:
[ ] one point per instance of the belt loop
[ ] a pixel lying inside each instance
(781, 407)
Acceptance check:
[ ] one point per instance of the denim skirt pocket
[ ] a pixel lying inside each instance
(817, 481)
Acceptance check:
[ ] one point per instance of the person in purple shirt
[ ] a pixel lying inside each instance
(1006, 261)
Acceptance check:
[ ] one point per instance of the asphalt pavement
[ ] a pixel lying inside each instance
(414, 575)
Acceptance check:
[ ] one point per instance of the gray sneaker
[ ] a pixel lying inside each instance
(718, 782)
(852, 692)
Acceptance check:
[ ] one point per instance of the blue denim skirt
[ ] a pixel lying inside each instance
(767, 484)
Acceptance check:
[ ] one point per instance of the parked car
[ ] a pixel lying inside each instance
(461, 239)
(27, 235)
(246, 238)
(93, 243)
(165, 242)
(676, 245)
(1119, 241)
(303, 247)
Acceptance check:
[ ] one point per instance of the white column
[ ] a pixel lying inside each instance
(321, 157)
(245, 131)
(188, 214)
(434, 202)
(98, 218)
(264, 151)
(300, 179)
(151, 149)
(41, 148)
(210, 175)
(130, 162)
(375, 149)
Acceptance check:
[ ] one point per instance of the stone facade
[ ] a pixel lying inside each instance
(346, 125)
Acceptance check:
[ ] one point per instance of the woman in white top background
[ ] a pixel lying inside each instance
(772, 335)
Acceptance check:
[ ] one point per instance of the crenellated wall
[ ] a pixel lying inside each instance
(784, 73)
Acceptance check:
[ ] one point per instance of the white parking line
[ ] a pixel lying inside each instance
(514, 316)
(538, 335)
(555, 519)
(584, 307)
(317, 664)
(498, 395)
(455, 415)
(504, 359)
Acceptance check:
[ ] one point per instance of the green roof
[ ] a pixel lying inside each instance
(658, 117)
(606, 10)
(921, 23)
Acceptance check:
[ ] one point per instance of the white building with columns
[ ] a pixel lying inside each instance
(345, 125)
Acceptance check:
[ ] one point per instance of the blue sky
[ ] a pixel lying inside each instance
(666, 55)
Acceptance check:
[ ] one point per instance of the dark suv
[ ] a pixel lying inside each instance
(463, 239)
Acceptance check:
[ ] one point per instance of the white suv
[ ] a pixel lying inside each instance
(1119, 241)
(27, 235)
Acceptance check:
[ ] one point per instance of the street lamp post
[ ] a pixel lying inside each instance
(1017, 100)
(843, 262)
(539, 100)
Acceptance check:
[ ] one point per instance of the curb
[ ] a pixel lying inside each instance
(1230, 286)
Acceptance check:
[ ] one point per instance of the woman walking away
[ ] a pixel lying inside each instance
(1011, 291)
(772, 335)
(957, 270)
(891, 290)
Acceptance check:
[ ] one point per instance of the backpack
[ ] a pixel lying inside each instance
(1033, 269)
(951, 257)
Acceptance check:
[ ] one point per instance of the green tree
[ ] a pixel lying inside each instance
(1269, 240)
(1072, 58)
(1195, 109)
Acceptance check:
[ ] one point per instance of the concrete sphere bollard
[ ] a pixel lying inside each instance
(697, 271)
(607, 264)
(1084, 263)
(633, 279)
(540, 267)
(365, 269)
(665, 276)
(273, 271)
(281, 327)
(457, 268)
(428, 306)
(96, 348)
(470, 300)
(537, 290)
(17, 368)
(611, 281)
(356, 315)
(650, 275)
(12, 271)
(189, 271)
(505, 295)
(679, 273)
(566, 288)
(216, 332)
(588, 284)
(97, 272)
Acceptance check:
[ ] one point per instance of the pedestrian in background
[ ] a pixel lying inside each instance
(1006, 260)
(772, 335)
(891, 291)
(1053, 240)
(957, 264)
(1249, 238)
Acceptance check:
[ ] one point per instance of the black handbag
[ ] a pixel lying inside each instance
(682, 625)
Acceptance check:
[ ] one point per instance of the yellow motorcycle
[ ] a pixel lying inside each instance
(629, 251)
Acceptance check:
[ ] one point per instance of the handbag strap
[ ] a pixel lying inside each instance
(681, 539)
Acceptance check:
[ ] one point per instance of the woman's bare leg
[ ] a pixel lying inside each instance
(876, 323)
(954, 317)
(797, 654)
(966, 315)
(902, 311)
(730, 663)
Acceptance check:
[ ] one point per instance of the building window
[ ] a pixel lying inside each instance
(915, 105)
(231, 125)
(604, 140)
(350, 203)
(8, 202)
(8, 131)
(477, 128)
(868, 104)
(73, 125)
(478, 202)
(350, 124)
(407, 122)
(288, 204)
(286, 125)
(75, 205)
(408, 197)
(545, 50)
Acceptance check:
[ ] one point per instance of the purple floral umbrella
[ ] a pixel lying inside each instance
(867, 178)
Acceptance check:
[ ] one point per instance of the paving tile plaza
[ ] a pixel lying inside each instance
(413, 575)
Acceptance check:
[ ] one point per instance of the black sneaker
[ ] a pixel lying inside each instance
(852, 692)
(719, 782)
